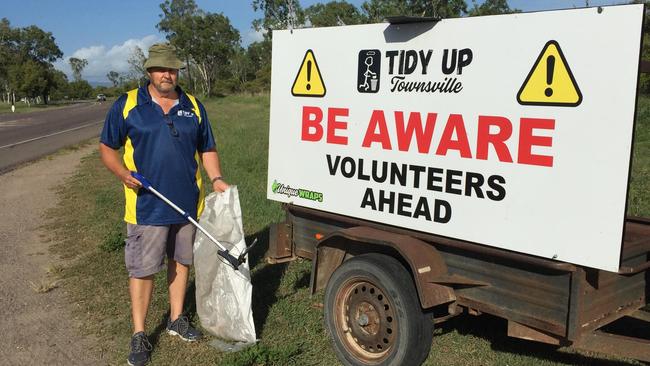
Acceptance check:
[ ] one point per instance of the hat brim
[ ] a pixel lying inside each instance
(168, 64)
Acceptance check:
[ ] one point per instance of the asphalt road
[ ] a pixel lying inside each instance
(28, 136)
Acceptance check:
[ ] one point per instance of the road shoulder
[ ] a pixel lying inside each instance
(37, 318)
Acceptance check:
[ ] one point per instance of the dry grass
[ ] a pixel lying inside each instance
(44, 286)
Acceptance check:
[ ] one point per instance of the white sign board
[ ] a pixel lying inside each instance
(512, 131)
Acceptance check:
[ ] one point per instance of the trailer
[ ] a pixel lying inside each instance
(383, 283)
(432, 168)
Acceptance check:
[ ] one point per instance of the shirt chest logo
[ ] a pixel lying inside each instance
(188, 114)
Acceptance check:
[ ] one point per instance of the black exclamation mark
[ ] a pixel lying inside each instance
(550, 66)
(308, 75)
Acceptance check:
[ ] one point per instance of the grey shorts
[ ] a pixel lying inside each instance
(147, 246)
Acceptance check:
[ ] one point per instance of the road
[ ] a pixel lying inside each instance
(29, 136)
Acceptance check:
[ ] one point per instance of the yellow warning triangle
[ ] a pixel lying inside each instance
(309, 82)
(550, 81)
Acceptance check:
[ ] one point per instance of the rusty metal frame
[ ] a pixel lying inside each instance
(523, 331)
(426, 265)
(281, 247)
(440, 240)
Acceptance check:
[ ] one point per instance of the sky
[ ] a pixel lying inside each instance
(105, 32)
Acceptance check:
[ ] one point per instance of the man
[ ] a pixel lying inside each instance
(164, 132)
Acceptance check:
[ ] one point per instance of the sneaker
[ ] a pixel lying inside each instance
(181, 327)
(140, 348)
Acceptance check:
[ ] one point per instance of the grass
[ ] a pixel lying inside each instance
(639, 193)
(44, 286)
(87, 227)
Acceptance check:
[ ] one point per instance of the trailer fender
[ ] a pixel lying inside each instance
(423, 260)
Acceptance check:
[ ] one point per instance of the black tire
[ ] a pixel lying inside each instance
(373, 314)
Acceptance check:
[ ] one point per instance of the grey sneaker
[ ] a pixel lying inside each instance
(140, 348)
(181, 327)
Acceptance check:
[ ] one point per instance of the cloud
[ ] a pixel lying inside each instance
(253, 36)
(102, 59)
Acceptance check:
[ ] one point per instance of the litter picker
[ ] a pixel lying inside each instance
(235, 262)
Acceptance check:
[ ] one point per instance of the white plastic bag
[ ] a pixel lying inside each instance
(223, 295)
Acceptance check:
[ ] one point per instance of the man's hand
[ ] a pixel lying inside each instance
(129, 181)
(219, 185)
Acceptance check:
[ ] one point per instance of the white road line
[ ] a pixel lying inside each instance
(52, 134)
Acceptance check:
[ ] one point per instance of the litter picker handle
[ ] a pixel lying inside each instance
(145, 183)
(222, 252)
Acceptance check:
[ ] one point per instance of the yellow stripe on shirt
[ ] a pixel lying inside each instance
(131, 102)
(200, 204)
(196, 109)
(130, 195)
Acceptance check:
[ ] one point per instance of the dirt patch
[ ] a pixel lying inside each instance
(36, 318)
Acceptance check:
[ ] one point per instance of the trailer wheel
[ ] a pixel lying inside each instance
(373, 314)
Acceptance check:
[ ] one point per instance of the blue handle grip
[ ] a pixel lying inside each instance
(142, 179)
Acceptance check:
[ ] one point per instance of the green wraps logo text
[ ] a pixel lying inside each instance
(285, 189)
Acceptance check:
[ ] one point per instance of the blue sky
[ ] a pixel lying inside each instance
(105, 32)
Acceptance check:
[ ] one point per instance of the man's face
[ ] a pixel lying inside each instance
(163, 79)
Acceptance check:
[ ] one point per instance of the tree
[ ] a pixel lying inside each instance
(59, 84)
(37, 50)
(136, 65)
(278, 14)
(258, 75)
(333, 13)
(377, 10)
(38, 45)
(259, 57)
(215, 42)
(240, 66)
(77, 65)
(439, 8)
(8, 40)
(29, 78)
(80, 89)
(178, 23)
(114, 77)
(492, 7)
(34, 79)
(26, 56)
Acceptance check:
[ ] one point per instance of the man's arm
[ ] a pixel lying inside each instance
(210, 160)
(111, 159)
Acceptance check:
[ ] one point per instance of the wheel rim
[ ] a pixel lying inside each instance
(365, 320)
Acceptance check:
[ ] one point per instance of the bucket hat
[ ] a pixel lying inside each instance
(163, 55)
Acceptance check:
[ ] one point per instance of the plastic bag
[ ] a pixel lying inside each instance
(223, 295)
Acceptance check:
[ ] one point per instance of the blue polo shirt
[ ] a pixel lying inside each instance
(163, 148)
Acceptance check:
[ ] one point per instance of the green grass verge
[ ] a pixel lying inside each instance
(87, 226)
